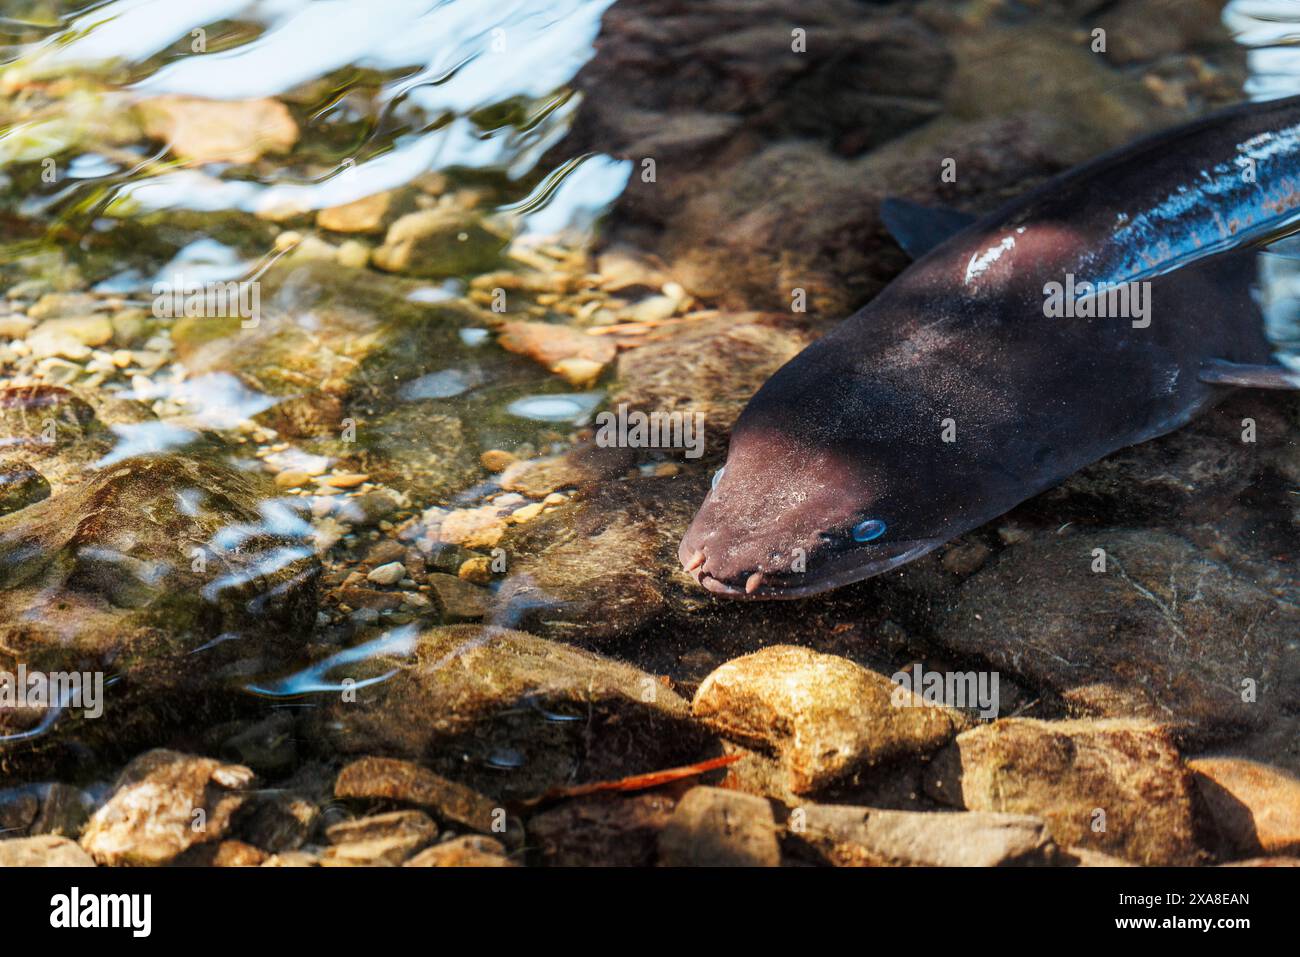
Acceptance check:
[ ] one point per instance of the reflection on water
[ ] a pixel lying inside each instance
(1270, 30)
(394, 89)
(156, 151)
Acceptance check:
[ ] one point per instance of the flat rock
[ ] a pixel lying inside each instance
(711, 827)
(867, 837)
(1165, 632)
(471, 850)
(550, 343)
(379, 840)
(825, 716)
(1253, 806)
(1115, 786)
(391, 779)
(45, 850)
(506, 712)
(163, 804)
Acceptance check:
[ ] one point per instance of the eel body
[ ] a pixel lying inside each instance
(1105, 308)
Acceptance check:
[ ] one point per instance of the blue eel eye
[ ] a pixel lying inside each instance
(869, 530)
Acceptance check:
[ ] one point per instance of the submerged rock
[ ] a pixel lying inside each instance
(595, 569)
(219, 131)
(601, 831)
(550, 344)
(711, 827)
(163, 804)
(710, 367)
(1164, 632)
(383, 839)
(20, 486)
(868, 837)
(471, 850)
(1113, 786)
(134, 574)
(440, 242)
(389, 779)
(506, 712)
(826, 717)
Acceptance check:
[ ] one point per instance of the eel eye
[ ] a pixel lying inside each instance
(869, 530)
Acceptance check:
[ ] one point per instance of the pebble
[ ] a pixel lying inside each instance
(527, 513)
(477, 570)
(382, 839)
(292, 479)
(353, 255)
(346, 479)
(389, 574)
(861, 836)
(458, 599)
(391, 779)
(497, 460)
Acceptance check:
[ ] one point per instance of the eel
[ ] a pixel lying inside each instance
(1108, 306)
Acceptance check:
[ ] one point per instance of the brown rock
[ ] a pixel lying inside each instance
(551, 343)
(1254, 807)
(867, 837)
(472, 850)
(458, 600)
(163, 804)
(359, 216)
(1164, 632)
(508, 713)
(826, 717)
(1113, 786)
(383, 839)
(439, 242)
(45, 850)
(220, 131)
(711, 827)
(393, 780)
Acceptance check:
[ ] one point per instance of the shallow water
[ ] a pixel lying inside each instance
(311, 308)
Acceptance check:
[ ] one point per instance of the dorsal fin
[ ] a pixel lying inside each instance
(917, 228)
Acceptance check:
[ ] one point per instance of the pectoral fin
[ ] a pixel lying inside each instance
(1222, 372)
(917, 228)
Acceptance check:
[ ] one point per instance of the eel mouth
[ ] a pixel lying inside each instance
(844, 569)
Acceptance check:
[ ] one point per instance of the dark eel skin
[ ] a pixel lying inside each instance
(849, 435)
